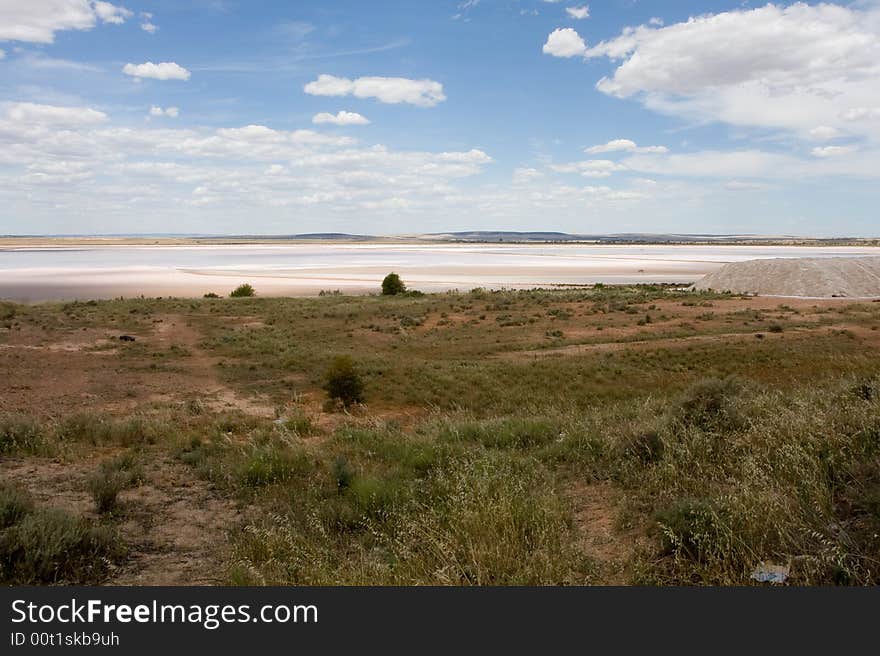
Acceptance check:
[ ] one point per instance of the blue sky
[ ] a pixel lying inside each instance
(401, 117)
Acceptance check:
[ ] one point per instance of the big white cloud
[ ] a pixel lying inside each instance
(340, 118)
(393, 90)
(161, 71)
(37, 21)
(795, 67)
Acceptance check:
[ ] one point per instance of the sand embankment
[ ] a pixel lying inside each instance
(810, 277)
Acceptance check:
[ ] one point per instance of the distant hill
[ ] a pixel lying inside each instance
(622, 238)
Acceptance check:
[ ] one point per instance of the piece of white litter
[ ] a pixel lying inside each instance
(769, 573)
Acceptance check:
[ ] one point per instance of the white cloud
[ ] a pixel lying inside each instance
(172, 112)
(50, 116)
(578, 13)
(742, 185)
(149, 27)
(110, 13)
(791, 67)
(564, 42)
(833, 151)
(2, 54)
(861, 114)
(593, 168)
(105, 170)
(37, 21)
(524, 175)
(624, 145)
(161, 71)
(340, 118)
(824, 133)
(393, 90)
(755, 165)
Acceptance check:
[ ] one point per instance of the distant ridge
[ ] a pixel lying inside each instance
(473, 236)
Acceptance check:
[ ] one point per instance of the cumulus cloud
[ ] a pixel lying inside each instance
(244, 167)
(161, 71)
(791, 67)
(37, 22)
(833, 151)
(110, 13)
(861, 114)
(172, 112)
(526, 174)
(578, 13)
(593, 168)
(755, 165)
(393, 90)
(624, 145)
(149, 27)
(50, 116)
(340, 118)
(824, 133)
(565, 42)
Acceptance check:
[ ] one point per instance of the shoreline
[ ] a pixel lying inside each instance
(34, 241)
(52, 271)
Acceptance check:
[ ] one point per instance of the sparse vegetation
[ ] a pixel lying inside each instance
(497, 425)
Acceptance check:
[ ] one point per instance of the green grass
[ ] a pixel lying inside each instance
(468, 462)
(44, 546)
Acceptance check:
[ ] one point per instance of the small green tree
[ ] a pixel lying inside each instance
(343, 382)
(243, 291)
(392, 285)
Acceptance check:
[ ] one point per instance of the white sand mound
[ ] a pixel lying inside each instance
(812, 277)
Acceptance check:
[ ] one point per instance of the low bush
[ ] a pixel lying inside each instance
(51, 546)
(14, 505)
(111, 478)
(19, 434)
(243, 291)
(710, 404)
(392, 285)
(343, 381)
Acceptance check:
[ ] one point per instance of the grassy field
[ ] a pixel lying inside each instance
(625, 435)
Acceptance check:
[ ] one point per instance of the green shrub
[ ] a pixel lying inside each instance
(691, 528)
(508, 433)
(392, 285)
(243, 291)
(342, 474)
(111, 478)
(647, 447)
(710, 404)
(270, 463)
(343, 382)
(52, 546)
(212, 295)
(299, 424)
(14, 505)
(20, 434)
(105, 486)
